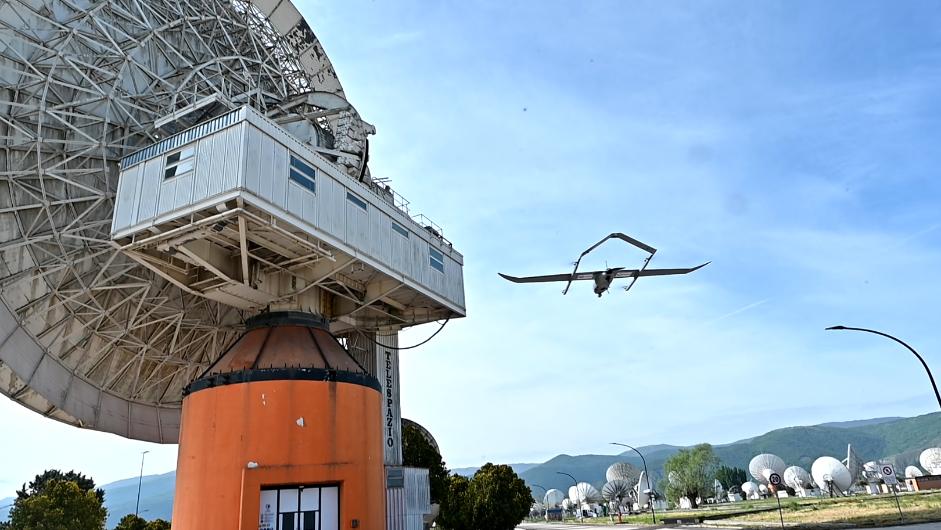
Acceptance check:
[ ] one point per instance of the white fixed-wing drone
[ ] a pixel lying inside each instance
(604, 278)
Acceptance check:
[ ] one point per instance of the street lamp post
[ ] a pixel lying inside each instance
(545, 494)
(886, 335)
(578, 496)
(140, 481)
(653, 511)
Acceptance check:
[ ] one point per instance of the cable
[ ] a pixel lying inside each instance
(422, 343)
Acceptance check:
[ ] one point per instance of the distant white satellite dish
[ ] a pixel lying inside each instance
(797, 477)
(553, 498)
(587, 493)
(913, 472)
(930, 460)
(618, 491)
(828, 469)
(621, 471)
(643, 495)
(762, 466)
(750, 489)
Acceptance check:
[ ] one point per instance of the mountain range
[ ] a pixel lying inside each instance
(900, 440)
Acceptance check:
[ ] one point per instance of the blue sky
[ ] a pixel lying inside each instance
(793, 144)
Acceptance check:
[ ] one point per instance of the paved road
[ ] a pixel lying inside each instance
(560, 526)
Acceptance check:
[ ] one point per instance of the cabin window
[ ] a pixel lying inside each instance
(401, 230)
(303, 174)
(437, 259)
(355, 200)
(180, 162)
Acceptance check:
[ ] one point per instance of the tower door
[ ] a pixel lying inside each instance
(300, 508)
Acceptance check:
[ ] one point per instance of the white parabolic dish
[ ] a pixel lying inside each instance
(829, 468)
(586, 493)
(763, 465)
(913, 472)
(750, 488)
(930, 460)
(553, 498)
(797, 477)
(615, 490)
(621, 471)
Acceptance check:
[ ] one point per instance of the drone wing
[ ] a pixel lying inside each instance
(549, 277)
(635, 273)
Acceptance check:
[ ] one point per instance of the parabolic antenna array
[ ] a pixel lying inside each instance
(186, 210)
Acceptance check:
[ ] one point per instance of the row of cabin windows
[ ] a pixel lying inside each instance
(183, 162)
(304, 175)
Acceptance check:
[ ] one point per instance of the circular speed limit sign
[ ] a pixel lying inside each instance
(774, 479)
(887, 470)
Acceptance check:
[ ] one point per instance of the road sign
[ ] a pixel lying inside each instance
(888, 475)
(775, 480)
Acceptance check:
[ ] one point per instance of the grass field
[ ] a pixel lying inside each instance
(861, 511)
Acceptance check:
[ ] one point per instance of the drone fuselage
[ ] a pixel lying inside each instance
(603, 281)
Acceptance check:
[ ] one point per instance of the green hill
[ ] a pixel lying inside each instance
(899, 439)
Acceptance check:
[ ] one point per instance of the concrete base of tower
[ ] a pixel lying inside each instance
(266, 448)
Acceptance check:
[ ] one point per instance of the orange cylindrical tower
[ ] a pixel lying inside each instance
(281, 433)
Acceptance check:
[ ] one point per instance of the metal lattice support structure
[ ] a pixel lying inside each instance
(87, 335)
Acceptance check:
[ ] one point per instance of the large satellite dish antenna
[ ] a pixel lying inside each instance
(797, 478)
(831, 475)
(584, 493)
(643, 490)
(617, 491)
(762, 466)
(750, 489)
(622, 471)
(913, 472)
(930, 460)
(171, 170)
(553, 498)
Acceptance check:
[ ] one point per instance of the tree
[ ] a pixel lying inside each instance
(58, 505)
(131, 522)
(501, 498)
(690, 473)
(417, 451)
(135, 522)
(39, 483)
(494, 499)
(455, 505)
(731, 476)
